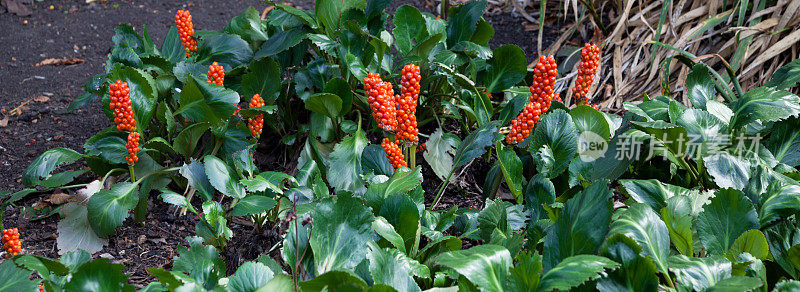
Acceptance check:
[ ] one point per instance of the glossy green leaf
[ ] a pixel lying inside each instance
(705, 132)
(249, 277)
(474, 145)
(280, 42)
(99, 275)
(74, 231)
(784, 142)
(439, 152)
(786, 77)
(554, 143)
(409, 26)
(223, 177)
(263, 77)
(677, 216)
(507, 68)
(334, 281)
(642, 224)
(574, 271)
(248, 26)
(511, 166)
(486, 266)
(144, 97)
(205, 102)
(43, 166)
(753, 242)
(461, 25)
(340, 234)
(699, 274)
(15, 279)
(195, 174)
(229, 50)
(651, 192)
(346, 160)
(187, 139)
(253, 204)
(278, 283)
(107, 209)
(200, 263)
(327, 104)
(764, 104)
(728, 215)
(779, 201)
(637, 273)
(581, 227)
(588, 119)
(700, 86)
(390, 267)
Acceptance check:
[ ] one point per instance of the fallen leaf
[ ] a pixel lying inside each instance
(41, 98)
(59, 198)
(58, 62)
(4, 122)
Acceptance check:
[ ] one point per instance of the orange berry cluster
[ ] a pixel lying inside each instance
(380, 96)
(256, 123)
(394, 154)
(407, 104)
(133, 147)
(590, 59)
(119, 96)
(216, 74)
(183, 21)
(544, 80)
(11, 242)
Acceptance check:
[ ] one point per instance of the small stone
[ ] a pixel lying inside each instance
(107, 256)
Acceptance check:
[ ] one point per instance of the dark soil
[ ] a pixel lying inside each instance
(74, 29)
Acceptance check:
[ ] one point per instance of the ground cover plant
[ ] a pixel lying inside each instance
(692, 196)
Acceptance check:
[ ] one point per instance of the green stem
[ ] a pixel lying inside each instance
(133, 176)
(412, 152)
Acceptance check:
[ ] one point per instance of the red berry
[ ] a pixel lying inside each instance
(119, 96)
(216, 74)
(407, 104)
(11, 243)
(394, 154)
(256, 123)
(183, 21)
(133, 148)
(544, 79)
(590, 60)
(381, 99)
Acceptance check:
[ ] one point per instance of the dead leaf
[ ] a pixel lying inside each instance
(59, 198)
(4, 122)
(41, 98)
(58, 62)
(16, 7)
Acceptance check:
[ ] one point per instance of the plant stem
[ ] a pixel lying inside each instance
(133, 176)
(412, 152)
(441, 189)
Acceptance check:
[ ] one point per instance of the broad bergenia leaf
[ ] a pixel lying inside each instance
(205, 102)
(486, 266)
(474, 145)
(574, 271)
(334, 281)
(784, 142)
(642, 224)
(329, 12)
(14, 278)
(581, 227)
(223, 177)
(728, 215)
(390, 267)
(554, 143)
(511, 166)
(651, 192)
(764, 104)
(195, 174)
(409, 27)
(229, 50)
(439, 153)
(786, 77)
(143, 93)
(263, 78)
(340, 234)
(43, 166)
(778, 201)
(327, 104)
(507, 68)
(699, 274)
(752, 242)
(99, 275)
(677, 216)
(248, 26)
(461, 25)
(700, 86)
(253, 204)
(200, 263)
(107, 209)
(345, 160)
(781, 238)
(249, 277)
(637, 273)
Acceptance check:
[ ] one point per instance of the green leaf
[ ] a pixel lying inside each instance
(249, 277)
(144, 97)
(574, 271)
(223, 177)
(15, 279)
(700, 86)
(172, 48)
(781, 238)
(200, 263)
(387, 231)
(539, 191)
(297, 239)
(461, 25)
(346, 161)
(637, 273)
(327, 104)
(205, 102)
(554, 143)
(43, 166)
(705, 132)
(581, 227)
(651, 192)
(355, 66)
(642, 224)
(278, 283)
(728, 215)
(588, 119)
(229, 50)
(786, 77)
(511, 166)
(269, 180)
(340, 234)
(493, 221)
(507, 68)
(42, 265)
(737, 283)
(248, 26)
(390, 267)
(526, 274)
(753, 242)
(483, 33)
(187, 139)
(107, 209)
(125, 56)
(340, 88)
(402, 213)
(677, 216)
(474, 145)
(486, 266)
(778, 201)
(764, 104)
(108, 144)
(253, 204)
(374, 159)
(263, 77)
(195, 174)
(280, 42)
(784, 142)
(329, 12)
(699, 274)
(439, 151)
(75, 232)
(409, 26)
(334, 281)
(126, 36)
(99, 275)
